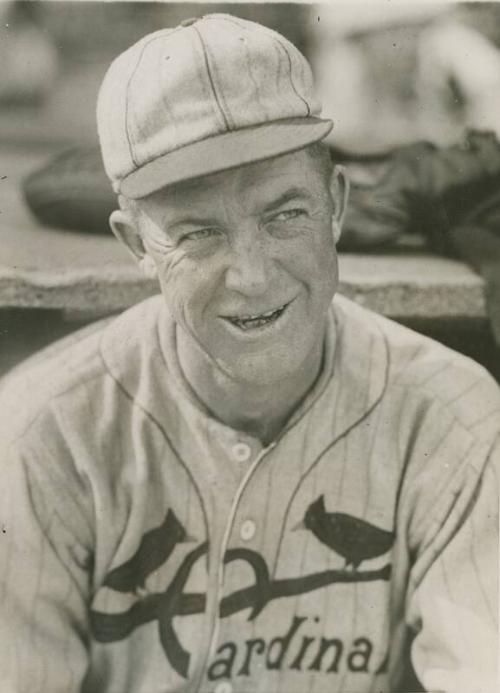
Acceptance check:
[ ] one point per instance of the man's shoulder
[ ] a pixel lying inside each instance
(432, 372)
(424, 366)
(67, 372)
(54, 372)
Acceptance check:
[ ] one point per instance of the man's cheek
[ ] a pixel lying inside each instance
(173, 269)
(312, 255)
(173, 286)
(180, 287)
(168, 261)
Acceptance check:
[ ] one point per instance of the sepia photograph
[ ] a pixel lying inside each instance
(249, 346)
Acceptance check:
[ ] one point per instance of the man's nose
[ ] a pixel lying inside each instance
(249, 265)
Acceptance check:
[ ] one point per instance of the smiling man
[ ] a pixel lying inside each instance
(244, 483)
(246, 259)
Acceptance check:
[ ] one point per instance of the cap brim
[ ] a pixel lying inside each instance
(225, 151)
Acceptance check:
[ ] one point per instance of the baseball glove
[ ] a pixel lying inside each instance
(451, 195)
(72, 192)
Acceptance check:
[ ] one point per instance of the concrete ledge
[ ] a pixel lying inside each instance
(94, 291)
(410, 286)
(413, 285)
(48, 268)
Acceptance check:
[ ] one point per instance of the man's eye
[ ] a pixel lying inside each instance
(199, 234)
(288, 214)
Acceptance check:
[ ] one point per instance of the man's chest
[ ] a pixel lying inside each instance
(276, 577)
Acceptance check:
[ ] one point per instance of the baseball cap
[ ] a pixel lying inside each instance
(213, 93)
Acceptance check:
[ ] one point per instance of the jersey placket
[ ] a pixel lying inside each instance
(247, 529)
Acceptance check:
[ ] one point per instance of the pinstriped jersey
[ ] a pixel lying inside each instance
(147, 547)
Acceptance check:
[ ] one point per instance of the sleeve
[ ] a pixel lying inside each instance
(44, 576)
(452, 605)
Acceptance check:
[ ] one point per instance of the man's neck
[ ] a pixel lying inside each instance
(258, 410)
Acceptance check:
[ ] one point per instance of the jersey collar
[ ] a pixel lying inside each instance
(137, 351)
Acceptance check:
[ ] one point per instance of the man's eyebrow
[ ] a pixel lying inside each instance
(174, 223)
(287, 196)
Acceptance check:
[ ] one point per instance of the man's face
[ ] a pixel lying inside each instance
(247, 263)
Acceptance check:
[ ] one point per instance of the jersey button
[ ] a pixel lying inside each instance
(223, 687)
(242, 452)
(247, 531)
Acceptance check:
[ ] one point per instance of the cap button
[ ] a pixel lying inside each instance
(188, 22)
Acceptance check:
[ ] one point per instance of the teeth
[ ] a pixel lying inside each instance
(253, 321)
(261, 315)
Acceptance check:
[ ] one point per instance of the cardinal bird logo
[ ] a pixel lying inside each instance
(155, 549)
(352, 538)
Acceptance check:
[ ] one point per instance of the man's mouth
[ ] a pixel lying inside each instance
(253, 322)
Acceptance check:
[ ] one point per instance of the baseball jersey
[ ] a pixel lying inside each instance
(146, 547)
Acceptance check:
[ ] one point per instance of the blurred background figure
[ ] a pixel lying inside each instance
(458, 72)
(390, 73)
(365, 58)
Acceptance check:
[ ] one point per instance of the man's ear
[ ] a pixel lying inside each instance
(125, 228)
(339, 188)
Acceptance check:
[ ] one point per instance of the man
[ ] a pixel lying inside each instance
(239, 485)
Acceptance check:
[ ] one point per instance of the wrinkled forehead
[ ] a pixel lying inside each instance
(246, 188)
